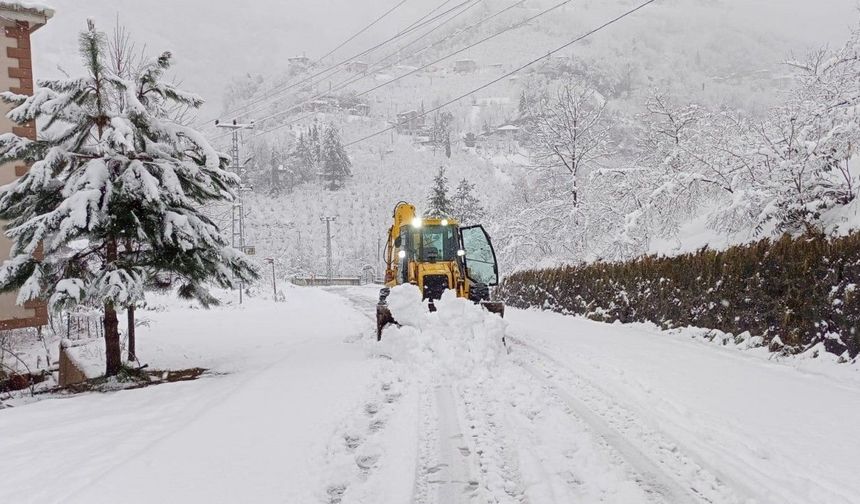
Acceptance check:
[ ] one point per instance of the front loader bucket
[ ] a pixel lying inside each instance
(496, 307)
(384, 316)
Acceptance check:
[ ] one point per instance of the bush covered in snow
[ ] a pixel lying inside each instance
(796, 293)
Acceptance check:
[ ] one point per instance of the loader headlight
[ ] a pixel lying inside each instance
(444, 222)
(401, 254)
(416, 222)
(461, 253)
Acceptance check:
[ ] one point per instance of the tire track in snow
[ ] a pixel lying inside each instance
(495, 457)
(454, 481)
(668, 470)
(560, 458)
(428, 463)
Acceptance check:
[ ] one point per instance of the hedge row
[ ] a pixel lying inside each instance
(804, 291)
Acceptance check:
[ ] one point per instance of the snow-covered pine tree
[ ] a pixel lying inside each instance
(302, 160)
(276, 169)
(315, 144)
(465, 205)
(114, 194)
(335, 163)
(438, 203)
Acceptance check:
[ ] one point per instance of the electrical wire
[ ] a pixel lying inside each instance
(288, 86)
(517, 70)
(370, 71)
(317, 82)
(412, 72)
(371, 25)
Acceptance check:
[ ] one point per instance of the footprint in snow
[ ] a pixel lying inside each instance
(366, 461)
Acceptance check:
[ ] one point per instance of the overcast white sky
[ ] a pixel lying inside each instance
(216, 40)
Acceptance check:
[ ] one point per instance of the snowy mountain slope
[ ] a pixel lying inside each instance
(215, 41)
(208, 56)
(312, 409)
(712, 51)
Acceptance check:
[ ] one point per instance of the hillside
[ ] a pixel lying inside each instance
(284, 29)
(666, 47)
(716, 53)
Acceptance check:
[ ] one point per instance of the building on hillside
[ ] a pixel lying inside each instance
(19, 20)
(357, 67)
(360, 109)
(299, 63)
(410, 122)
(505, 138)
(470, 140)
(465, 66)
(508, 130)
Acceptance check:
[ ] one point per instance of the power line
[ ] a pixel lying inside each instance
(412, 72)
(311, 85)
(357, 78)
(443, 4)
(519, 69)
(470, 46)
(371, 25)
(400, 34)
(417, 39)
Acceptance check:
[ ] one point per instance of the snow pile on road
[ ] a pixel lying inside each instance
(460, 339)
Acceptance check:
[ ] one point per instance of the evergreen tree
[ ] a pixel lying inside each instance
(438, 204)
(302, 159)
(336, 166)
(276, 167)
(123, 183)
(315, 145)
(465, 205)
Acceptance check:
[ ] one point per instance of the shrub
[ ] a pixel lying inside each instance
(803, 291)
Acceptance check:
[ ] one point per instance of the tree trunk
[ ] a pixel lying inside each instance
(113, 351)
(132, 355)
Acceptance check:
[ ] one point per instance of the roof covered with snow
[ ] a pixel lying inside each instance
(28, 7)
(36, 13)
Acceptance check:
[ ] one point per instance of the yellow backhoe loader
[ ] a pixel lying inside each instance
(437, 254)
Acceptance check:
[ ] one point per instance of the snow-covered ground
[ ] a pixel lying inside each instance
(304, 406)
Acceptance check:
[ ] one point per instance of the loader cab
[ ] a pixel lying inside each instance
(434, 241)
(429, 243)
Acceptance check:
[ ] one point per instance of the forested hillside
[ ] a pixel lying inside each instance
(673, 162)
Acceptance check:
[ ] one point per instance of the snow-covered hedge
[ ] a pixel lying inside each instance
(793, 292)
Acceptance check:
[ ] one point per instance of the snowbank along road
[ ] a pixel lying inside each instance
(304, 406)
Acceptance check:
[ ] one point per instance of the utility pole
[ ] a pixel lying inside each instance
(271, 260)
(328, 221)
(238, 214)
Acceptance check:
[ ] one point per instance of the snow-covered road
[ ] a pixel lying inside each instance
(303, 406)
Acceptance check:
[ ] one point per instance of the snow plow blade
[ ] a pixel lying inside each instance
(384, 317)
